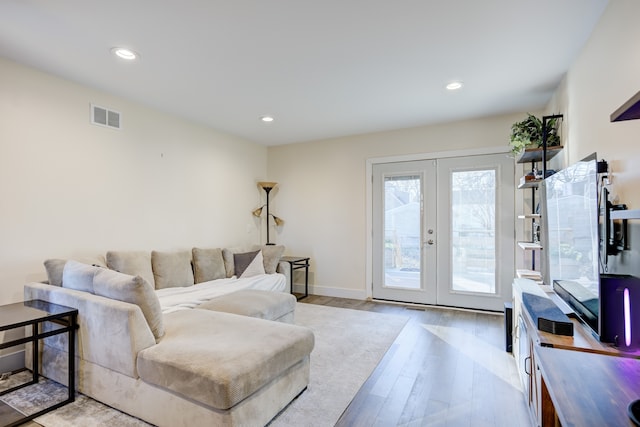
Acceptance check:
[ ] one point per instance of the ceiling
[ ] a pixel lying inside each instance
(323, 69)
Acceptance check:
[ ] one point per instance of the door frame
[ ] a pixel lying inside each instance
(406, 158)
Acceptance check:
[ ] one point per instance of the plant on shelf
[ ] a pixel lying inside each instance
(528, 134)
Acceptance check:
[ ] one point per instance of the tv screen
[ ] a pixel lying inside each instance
(572, 243)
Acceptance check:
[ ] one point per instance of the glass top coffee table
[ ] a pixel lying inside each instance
(31, 315)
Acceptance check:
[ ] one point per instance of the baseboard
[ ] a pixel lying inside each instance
(332, 292)
(12, 361)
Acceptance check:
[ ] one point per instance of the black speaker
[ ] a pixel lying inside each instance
(620, 310)
(508, 327)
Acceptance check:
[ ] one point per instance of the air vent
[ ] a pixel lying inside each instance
(105, 117)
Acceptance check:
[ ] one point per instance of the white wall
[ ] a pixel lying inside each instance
(73, 189)
(605, 75)
(322, 192)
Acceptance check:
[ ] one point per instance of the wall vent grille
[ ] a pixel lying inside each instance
(102, 116)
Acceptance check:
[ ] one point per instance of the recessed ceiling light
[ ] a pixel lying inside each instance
(124, 53)
(454, 86)
(266, 119)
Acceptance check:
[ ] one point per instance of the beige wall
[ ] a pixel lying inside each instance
(605, 75)
(73, 189)
(322, 193)
(322, 184)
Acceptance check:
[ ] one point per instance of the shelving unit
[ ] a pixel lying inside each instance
(536, 157)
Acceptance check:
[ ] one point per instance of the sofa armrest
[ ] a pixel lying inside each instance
(111, 332)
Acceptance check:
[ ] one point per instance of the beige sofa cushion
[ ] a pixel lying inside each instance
(271, 255)
(219, 359)
(78, 276)
(55, 268)
(208, 264)
(266, 305)
(135, 263)
(172, 269)
(132, 289)
(227, 256)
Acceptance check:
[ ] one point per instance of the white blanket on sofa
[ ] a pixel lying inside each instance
(180, 298)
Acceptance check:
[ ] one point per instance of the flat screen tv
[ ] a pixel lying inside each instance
(571, 244)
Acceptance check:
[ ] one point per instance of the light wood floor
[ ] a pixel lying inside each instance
(446, 368)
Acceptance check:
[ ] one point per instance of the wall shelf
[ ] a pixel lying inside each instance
(626, 214)
(535, 154)
(526, 216)
(532, 183)
(530, 246)
(630, 110)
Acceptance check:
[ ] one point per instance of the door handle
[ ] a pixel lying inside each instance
(430, 242)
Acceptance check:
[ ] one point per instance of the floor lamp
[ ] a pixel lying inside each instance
(267, 187)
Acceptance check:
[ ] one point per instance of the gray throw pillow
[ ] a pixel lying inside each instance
(79, 276)
(134, 290)
(208, 264)
(271, 255)
(248, 264)
(172, 269)
(135, 263)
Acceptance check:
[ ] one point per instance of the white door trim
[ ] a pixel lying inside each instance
(369, 192)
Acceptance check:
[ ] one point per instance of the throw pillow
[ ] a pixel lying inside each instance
(248, 264)
(208, 264)
(172, 269)
(271, 255)
(135, 263)
(54, 269)
(134, 290)
(79, 276)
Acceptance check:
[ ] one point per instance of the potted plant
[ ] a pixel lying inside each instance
(528, 134)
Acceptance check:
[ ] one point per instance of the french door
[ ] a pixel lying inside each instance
(443, 231)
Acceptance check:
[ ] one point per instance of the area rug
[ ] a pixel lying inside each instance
(349, 344)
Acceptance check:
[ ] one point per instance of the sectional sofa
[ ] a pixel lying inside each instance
(187, 338)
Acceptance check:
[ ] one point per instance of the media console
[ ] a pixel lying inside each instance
(527, 339)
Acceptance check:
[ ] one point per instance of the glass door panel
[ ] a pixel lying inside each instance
(402, 231)
(473, 231)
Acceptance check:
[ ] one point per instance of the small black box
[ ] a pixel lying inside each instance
(546, 315)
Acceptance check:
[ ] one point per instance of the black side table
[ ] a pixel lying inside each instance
(296, 263)
(34, 313)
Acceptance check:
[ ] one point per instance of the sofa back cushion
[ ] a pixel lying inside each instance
(208, 264)
(55, 269)
(271, 255)
(132, 289)
(135, 263)
(172, 269)
(79, 276)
